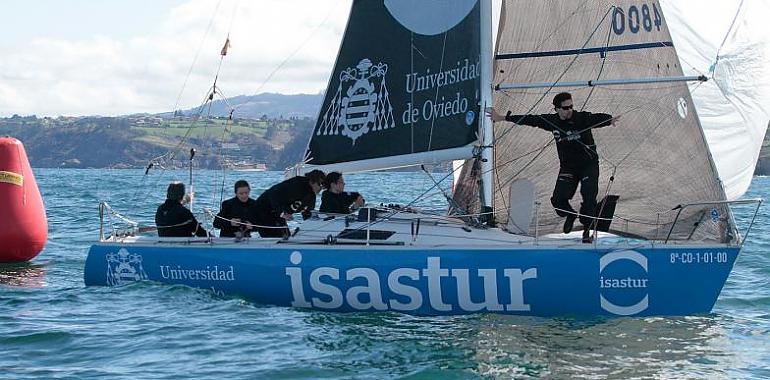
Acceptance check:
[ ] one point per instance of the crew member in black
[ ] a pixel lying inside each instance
(578, 159)
(175, 220)
(238, 214)
(335, 199)
(277, 204)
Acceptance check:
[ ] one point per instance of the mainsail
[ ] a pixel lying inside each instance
(405, 89)
(655, 158)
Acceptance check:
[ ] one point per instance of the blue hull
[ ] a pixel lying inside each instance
(534, 280)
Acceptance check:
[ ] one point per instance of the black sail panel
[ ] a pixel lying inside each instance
(399, 86)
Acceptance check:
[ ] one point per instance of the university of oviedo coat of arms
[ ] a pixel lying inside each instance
(124, 267)
(361, 104)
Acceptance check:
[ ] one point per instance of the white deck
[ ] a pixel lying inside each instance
(435, 232)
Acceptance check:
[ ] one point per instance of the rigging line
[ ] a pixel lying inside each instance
(225, 131)
(633, 109)
(569, 66)
(411, 93)
(394, 211)
(223, 164)
(555, 32)
(601, 156)
(595, 221)
(435, 98)
(649, 134)
(500, 187)
(171, 153)
(496, 166)
(451, 173)
(291, 55)
(601, 69)
(236, 8)
(246, 224)
(223, 98)
(449, 199)
(514, 159)
(197, 53)
(416, 199)
(517, 174)
(219, 66)
(217, 91)
(729, 30)
(662, 44)
(542, 150)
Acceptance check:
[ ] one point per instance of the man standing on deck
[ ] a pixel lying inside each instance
(578, 159)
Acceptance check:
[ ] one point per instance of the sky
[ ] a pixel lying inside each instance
(87, 57)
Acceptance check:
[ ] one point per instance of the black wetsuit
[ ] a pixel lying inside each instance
(175, 220)
(234, 208)
(337, 203)
(290, 196)
(578, 159)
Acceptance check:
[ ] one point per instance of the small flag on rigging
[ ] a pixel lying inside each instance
(224, 48)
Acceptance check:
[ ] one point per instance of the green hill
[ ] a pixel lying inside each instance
(132, 141)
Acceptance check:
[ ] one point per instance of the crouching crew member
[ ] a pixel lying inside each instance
(277, 204)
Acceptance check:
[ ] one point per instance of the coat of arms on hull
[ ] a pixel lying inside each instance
(364, 105)
(123, 267)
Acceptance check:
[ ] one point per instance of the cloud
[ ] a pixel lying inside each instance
(145, 72)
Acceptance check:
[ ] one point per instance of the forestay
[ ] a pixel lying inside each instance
(405, 87)
(656, 153)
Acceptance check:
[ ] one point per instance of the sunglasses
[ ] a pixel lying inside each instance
(565, 107)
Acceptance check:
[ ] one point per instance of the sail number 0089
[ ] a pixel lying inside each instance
(636, 18)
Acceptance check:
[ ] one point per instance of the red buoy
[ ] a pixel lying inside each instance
(23, 224)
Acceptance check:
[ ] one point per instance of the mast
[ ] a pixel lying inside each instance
(487, 133)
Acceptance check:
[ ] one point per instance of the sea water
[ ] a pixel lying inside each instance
(53, 327)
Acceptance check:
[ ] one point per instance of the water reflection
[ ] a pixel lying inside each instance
(378, 345)
(496, 346)
(25, 274)
(687, 347)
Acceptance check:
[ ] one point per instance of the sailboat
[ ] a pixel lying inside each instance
(409, 87)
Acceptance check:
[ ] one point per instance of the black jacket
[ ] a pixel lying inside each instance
(337, 203)
(175, 220)
(574, 140)
(234, 208)
(290, 196)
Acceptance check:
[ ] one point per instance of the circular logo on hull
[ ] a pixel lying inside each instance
(623, 276)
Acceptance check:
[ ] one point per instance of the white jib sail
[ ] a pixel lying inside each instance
(728, 41)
